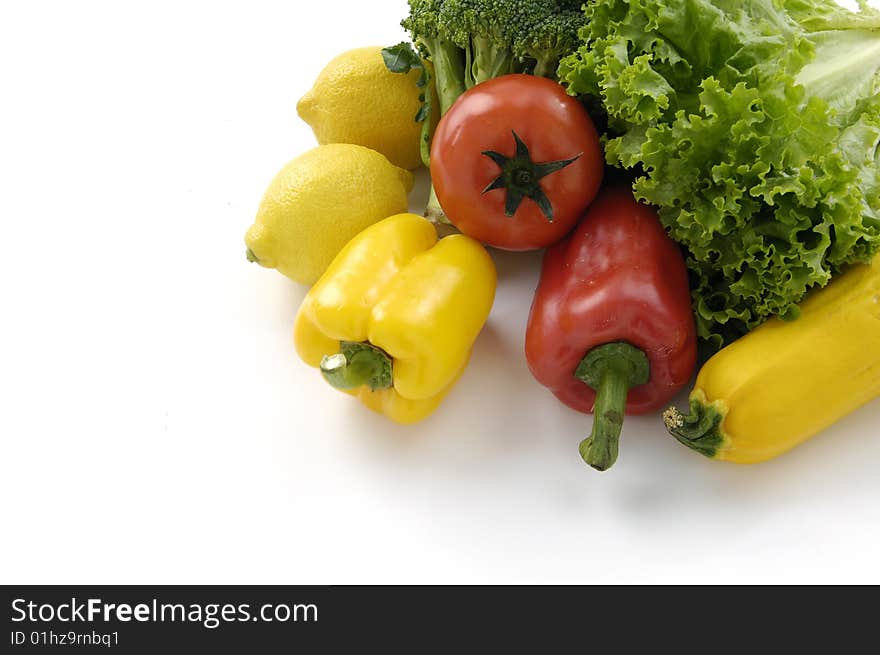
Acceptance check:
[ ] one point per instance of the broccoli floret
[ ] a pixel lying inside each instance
(543, 32)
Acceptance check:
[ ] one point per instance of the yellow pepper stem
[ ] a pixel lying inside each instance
(357, 365)
(612, 370)
(700, 430)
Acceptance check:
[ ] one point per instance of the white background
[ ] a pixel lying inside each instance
(157, 426)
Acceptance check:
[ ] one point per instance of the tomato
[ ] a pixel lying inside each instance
(515, 162)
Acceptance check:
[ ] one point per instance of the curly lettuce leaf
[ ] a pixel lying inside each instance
(754, 127)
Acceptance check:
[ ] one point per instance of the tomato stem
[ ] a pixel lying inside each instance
(521, 177)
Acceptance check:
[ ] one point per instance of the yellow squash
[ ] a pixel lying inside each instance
(786, 381)
(393, 319)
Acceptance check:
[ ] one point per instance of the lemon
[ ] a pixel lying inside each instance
(318, 202)
(356, 99)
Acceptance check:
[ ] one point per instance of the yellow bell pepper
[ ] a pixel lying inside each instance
(393, 319)
(786, 381)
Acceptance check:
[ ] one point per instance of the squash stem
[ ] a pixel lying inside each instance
(700, 430)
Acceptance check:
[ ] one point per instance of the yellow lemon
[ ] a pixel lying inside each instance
(356, 99)
(318, 202)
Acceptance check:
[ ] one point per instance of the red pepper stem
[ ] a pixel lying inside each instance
(599, 450)
(611, 370)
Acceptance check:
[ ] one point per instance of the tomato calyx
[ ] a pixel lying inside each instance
(520, 177)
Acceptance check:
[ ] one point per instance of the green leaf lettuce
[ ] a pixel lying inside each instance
(754, 126)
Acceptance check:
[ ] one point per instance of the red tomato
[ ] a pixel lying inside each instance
(515, 162)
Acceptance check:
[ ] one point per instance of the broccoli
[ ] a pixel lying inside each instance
(462, 43)
(545, 38)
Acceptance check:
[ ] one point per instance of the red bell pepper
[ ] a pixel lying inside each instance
(611, 329)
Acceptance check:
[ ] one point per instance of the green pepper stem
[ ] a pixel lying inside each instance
(611, 370)
(357, 365)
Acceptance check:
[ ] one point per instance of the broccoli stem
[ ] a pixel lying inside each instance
(433, 211)
(545, 67)
(449, 73)
(449, 79)
(486, 61)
